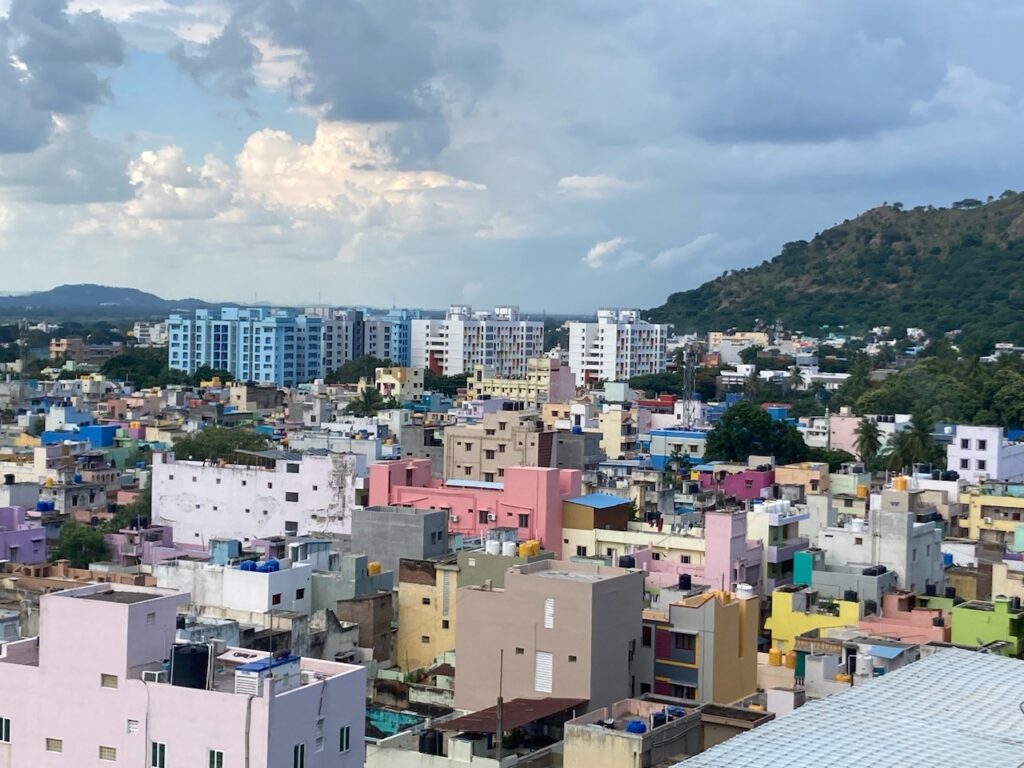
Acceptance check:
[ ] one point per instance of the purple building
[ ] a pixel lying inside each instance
(21, 541)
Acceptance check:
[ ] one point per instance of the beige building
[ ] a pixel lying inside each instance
(426, 609)
(547, 380)
(503, 439)
(758, 338)
(403, 384)
(812, 475)
(566, 630)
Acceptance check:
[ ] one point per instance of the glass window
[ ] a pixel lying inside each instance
(344, 739)
(215, 759)
(299, 756)
(54, 745)
(5, 730)
(108, 681)
(158, 755)
(108, 753)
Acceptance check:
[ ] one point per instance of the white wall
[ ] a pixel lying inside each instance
(235, 589)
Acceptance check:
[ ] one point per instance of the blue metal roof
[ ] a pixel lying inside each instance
(886, 651)
(599, 500)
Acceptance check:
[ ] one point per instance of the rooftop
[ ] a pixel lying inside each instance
(126, 597)
(599, 501)
(901, 719)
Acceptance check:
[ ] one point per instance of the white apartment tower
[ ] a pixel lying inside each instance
(342, 335)
(500, 340)
(617, 347)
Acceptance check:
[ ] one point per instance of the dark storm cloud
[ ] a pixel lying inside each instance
(52, 68)
(225, 63)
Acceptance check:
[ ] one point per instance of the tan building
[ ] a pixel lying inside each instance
(566, 630)
(426, 608)
(758, 338)
(403, 384)
(504, 439)
(547, 381)
(812, 475)
(620, 434)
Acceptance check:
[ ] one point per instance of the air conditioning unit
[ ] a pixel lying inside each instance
(988, 521)
(491, 517)
(154, 676)
(453, 518)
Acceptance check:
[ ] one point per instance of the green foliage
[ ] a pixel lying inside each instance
(144, 367)
(364, 367)
(746, 430)
(655, 384)
(80, 544)
(868, 439)
(555, 335)
(834, 458)
(446, 385)
(928, 268)
(140, 510)
(368, 403)
(215, 443)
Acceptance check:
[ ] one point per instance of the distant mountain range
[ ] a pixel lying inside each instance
(91, 299)
(941, 269)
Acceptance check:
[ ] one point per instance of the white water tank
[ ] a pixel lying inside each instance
(744, 591)
(509, 549)
(857, 525)
(493, 547)
(865, 665)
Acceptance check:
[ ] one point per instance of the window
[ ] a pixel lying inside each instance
(291, 496)
(981, 464)
(133, 726)
(425, 600)
(276, 599)
(524, 521)
(684, 558)
(150, 619)
(5, 730)
(488, 477)
(469, 470)
(299, 756)
(965, 444)
(684, 692)
(982, 445)
(656, 555)
(684, 642)
(245, 482)
(581, 551)
(482, 516)
(501, 448)
(314, 487)
(445, 624)
(543, 669)
(300, 593)
(292, 469)
(646, 637)
(489, 454)
(54, 745)
(502, 425)
(270, 485)
(215, 759)
(108, 681)
(469, 446)
(549, 613)
(572, 659)
(344, 739)
(424, 639)
(108, 753)
(520, 651)
(965, 463)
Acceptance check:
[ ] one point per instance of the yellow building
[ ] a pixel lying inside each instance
(426, 609)
(547, 380)
(797, 609)
(812, 475)
(620, 436)
(403, 384)
(685, 548)
(993, 511)
(758, 338)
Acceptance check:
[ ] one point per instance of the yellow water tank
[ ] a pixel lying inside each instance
(900, 483)
(373, 568)
(524, 550)
(49, 482)
(862, 491)
(755, 707)
(843, 677)
(791, 660)
(774, 657)
(694, 474)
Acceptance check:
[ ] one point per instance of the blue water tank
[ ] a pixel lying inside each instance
(248, 565)
(676, 712)
(636, 726)
(947, 559)
(269, 566)
(77, 478)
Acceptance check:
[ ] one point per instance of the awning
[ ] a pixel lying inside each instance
(518, 712)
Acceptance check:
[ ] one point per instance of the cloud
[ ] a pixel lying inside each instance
(227, 62)
(599, 253)
(51, 67)
(671, 257)
(597, 187)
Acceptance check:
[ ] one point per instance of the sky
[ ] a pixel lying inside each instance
(562, 155)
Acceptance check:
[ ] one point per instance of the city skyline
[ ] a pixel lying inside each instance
(206, 148)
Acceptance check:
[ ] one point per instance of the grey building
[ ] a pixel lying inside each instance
(387, 534)
(477, 566)
(842, 582)
(420, 441)
(577, 450)
(352, 579)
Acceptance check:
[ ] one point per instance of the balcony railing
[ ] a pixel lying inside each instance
(785, 550)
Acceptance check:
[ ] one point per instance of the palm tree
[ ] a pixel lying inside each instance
(923, 442)
(795, 378)
(368, 403)
(901, 451)
(868, 439)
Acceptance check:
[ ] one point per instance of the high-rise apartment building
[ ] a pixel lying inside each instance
(388, 334)
(617, 347)
(500, 340)
(342, 335)
(251, 343)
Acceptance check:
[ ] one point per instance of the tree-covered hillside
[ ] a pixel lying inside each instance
(936, 268)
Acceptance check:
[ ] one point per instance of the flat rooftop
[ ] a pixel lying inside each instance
(126, 597)
(897, 720)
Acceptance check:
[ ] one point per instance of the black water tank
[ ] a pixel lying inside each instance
(189, 665)
(179, 621)
(938, 621)
(958, 601)
(8, 479)
(850, 595)
(950, 592)
(870, 607)
(685, 581)
(627, 561)
(930, 590)
(430, 742)
(1015, 603)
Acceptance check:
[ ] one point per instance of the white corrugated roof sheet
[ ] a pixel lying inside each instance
(955, 708)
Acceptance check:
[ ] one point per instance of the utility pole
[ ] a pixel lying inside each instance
(500, 724)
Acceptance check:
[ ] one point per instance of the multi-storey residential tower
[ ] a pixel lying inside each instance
(617, 347)
(500, 340)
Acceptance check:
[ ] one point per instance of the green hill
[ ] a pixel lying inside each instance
(934, 268)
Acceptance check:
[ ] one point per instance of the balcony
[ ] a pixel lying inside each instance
(784, 551)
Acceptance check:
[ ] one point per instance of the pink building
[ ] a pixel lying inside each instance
(90, 689)
(902, 620)
(20, 541)
(135, 546)
(530, 498)
(744, 484)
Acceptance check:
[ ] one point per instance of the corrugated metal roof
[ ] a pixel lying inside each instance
(956, 707)
(517, 713)
(887, 652)
(599, 500)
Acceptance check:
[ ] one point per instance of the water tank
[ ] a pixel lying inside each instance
(744, 591)
(774, 657)
(674, 712)
(685, 581)
(947, 559)
(862, 491)
(534, 546)
(77, 479)
(900, 483)
(930, 590)
(938, 621)
(857, 525)
(373, 568)
(870, 607)
(658, 719)
(627, 561)
(247, 565)
(430, 742)
(8, 479)
(509, 549)
(790, 659)
(865, 665)
(493, 547)
(950, 592)
(190, 666)
(850, 595)
(636, 726)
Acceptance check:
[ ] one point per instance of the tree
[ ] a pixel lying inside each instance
(749, 355)
(80, 544)
(214, 443)
(868, 439)
(834, 458)
(900, 453)
(352, 371)
(795, 378)
(368, 403)
(746, 430)
(446, 385)
(139, 512)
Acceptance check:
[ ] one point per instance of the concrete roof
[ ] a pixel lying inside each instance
(900, 719)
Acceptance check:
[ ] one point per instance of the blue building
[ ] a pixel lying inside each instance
(388, 335)
(252, 343)
(663, 444)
